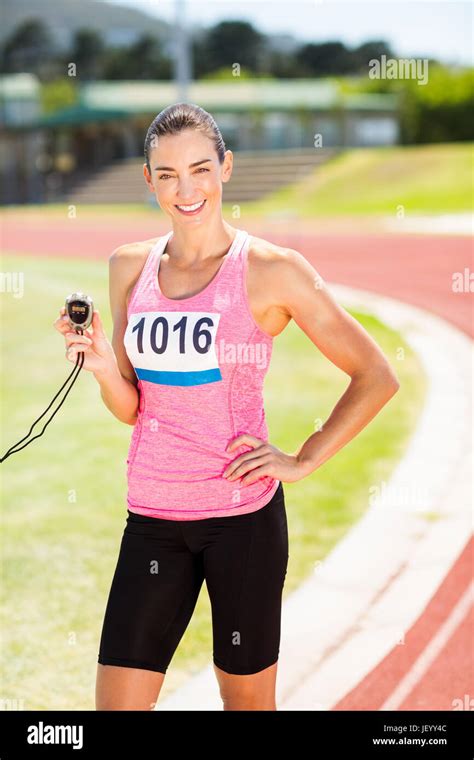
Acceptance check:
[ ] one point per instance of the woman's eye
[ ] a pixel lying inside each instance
(201, 169)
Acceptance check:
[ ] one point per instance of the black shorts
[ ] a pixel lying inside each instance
(159, 574)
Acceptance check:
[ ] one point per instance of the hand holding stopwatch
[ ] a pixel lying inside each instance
(79, 310)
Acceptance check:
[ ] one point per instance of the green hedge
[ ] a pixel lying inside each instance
(438, 111)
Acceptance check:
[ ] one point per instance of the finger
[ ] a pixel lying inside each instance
(255, 475)
(62, 322)
(96, 324)
(254, 453)
(76, 347)
(72, 352)
(233, 466)
(72, 337)
(248, 465)
(244, 440)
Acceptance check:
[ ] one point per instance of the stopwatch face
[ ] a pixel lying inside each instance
(78, 312)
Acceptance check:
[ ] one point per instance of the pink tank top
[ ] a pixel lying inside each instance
(200, 363)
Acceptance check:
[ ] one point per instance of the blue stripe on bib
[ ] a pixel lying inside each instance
(162, 377)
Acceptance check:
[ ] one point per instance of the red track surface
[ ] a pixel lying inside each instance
(449, 677)
(417, 269)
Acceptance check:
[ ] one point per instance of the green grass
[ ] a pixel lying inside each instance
(64, 496)
(421, 179)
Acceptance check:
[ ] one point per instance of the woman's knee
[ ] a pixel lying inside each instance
(248, 692)
(121, 688)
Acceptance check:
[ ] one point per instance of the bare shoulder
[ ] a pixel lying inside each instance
(271, 274)
(126, 263)
(264, 254)
(282, 269)
(269, 257)
(130, 254)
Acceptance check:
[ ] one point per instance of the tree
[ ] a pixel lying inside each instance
(230, 42)
(368, 51)
(28, 47)
(282, 65)
(324, 58)
(141, 60)
(87, 52)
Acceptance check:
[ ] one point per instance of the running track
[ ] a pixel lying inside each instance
(417, 269)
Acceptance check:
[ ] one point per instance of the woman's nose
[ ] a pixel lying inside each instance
(186, 189)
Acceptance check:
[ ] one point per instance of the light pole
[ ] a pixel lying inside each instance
(182, 58)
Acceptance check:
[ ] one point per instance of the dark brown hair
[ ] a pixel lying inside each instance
(181, 116)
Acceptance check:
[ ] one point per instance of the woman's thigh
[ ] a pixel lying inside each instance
(154, 591)
(245, 568)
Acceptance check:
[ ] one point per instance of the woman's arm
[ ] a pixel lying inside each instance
(347, 345)
(302, 294)
(107, 361)
(119, 395)
(118, 381)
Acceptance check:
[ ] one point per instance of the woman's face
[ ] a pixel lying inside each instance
(185, 171)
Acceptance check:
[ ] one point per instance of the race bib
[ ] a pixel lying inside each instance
(173, 348)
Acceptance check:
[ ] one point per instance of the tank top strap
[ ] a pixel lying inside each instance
(242, 248)
(155, 253)
(241, 244)
(236, 270)
(236, 262)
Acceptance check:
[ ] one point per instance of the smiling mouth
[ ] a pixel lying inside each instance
(192, 208)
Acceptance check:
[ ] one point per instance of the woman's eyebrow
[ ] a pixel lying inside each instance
(195, 163)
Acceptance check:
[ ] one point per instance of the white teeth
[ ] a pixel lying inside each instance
(191, 208)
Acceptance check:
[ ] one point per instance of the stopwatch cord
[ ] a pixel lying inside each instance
(78, 366)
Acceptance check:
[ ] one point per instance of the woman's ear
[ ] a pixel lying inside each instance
(227, 166)
(147, 176)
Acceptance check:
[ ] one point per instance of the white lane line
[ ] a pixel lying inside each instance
(431, 651)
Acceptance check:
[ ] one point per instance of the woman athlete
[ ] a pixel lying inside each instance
(194, 315)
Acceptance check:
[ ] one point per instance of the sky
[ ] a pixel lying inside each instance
(423, 28)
